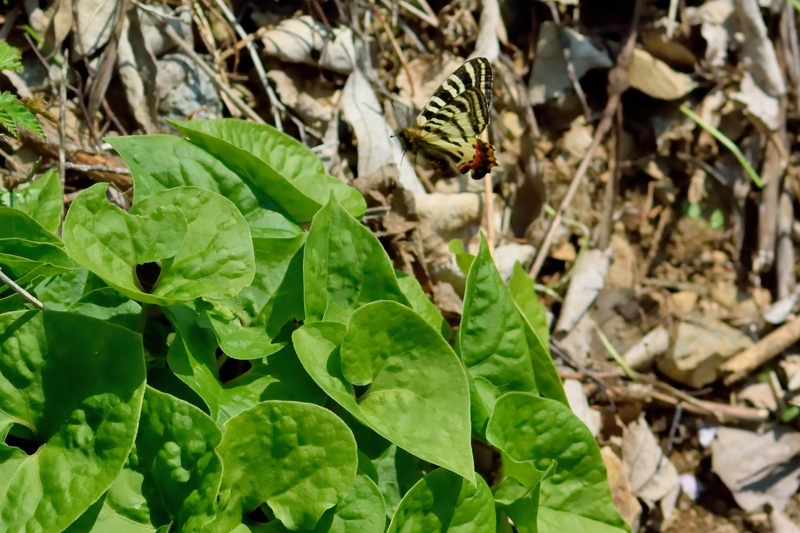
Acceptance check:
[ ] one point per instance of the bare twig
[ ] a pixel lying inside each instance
(242, 43)
(488, 210)
(791, 49)
(617, 83)
(785, 258)
(672, 17)
(720, 411)
(96, 168)
(426, 15)
(772, 171)
(606, 222)
(62, 120)
(8, 24)
(673, 429)
(566, 51)
(740, 365)
(275, 103)
(49, 148)
(19, 290)
(400, 55)
(664, 393)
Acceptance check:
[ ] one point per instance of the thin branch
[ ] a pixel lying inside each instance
(62, 120)
(400, 55)
(617, 83)
(488, 210)
(566, 51)
(276, 104)
(97, 168)
(19, 290)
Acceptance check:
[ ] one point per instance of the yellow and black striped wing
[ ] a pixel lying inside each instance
(461, 102)
(446, 132)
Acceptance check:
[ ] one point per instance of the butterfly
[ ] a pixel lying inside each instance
(445, 134)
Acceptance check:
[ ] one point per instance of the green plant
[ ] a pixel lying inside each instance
(14, 113)
(236, 352)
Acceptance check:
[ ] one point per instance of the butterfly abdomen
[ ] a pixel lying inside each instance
(482, 162)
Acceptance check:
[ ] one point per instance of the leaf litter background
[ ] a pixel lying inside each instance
(657, 135)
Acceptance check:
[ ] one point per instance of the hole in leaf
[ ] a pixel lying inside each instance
(360, 390)
(147, 274)
(232, 368)
(259, 515)
(22, 438)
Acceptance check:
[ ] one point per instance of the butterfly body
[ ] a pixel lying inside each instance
(445, 134)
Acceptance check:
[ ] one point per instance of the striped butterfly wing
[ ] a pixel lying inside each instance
(465, 98)
(446, 132)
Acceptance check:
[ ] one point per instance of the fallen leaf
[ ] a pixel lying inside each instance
(377, 145)
(699, 348)
(588, 279)
(657, 79)
(579, 404)
(642, 354)
(758, 468)
(626, 503)
(652, 475)
(549, 79)
(94, 24)
(304, 40)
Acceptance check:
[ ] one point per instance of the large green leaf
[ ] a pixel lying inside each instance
(175, 455)
(42, 200)
(532, 430)
(298, 458)
(361, 511)
(172, 475)
(82, 292)
(192, 357)
(29, 253)
(276, 294)
(418, 394)
(282, 167)
(393, 470)
(420, 303)
(200, 240)
(76, 384)
(520, 285)
(491, 339)
(279, 376)
(344, 267)
(444, 502)
(160, 162)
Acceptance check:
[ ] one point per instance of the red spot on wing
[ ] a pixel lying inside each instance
(482, 162)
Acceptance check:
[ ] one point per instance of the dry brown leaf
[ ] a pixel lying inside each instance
(626, 503)
(657, 79)
(427, 73)
(652, 475)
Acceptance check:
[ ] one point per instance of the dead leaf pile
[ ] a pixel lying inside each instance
(647, 181)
